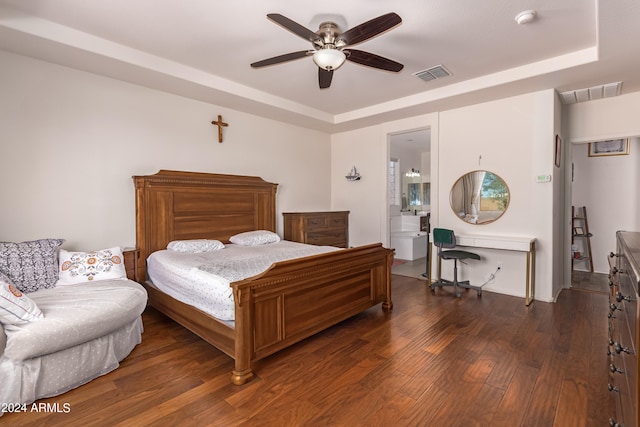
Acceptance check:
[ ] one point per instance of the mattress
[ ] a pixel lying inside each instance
(203, 279)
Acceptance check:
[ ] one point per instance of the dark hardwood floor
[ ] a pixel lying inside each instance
(433, 361)
(589, 282)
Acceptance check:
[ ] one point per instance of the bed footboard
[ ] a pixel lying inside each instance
(297, 298)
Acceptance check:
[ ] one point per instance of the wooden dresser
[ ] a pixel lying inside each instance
(318, 228)
(623, 328)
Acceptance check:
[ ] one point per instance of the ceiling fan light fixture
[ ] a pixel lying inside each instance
(329, 59)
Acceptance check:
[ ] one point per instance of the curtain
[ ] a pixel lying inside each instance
(472, 189)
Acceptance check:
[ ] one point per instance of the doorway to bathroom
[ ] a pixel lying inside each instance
(409, 199)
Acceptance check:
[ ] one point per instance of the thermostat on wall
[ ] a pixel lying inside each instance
(543, 178)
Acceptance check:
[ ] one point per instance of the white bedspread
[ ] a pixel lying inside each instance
(202, 279)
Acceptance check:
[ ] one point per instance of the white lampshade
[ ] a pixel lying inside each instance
(329, 59)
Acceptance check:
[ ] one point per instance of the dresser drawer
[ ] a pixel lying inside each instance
(314, 222)
(327, 238)
(323, 222)
(318, 228)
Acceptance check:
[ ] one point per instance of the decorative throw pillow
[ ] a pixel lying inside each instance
(30, 265)
(253, 238)
(78, 267)
(16, 307)
(195, 246)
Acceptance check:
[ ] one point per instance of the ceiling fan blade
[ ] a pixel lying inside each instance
(372, 60)
(324, 78)
(294, 27)
(282, 58)
(369, 29)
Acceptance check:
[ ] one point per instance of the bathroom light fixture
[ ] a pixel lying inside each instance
(329, 58)
(413, 173)
(525, 17)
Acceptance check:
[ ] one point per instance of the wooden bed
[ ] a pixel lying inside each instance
(289, 302)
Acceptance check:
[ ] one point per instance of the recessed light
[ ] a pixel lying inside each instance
(525, 17)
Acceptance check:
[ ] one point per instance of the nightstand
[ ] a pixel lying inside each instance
(131, 262)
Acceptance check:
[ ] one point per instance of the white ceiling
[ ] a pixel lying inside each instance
(202, 49)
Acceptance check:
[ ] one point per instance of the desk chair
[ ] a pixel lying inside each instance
(446, 239)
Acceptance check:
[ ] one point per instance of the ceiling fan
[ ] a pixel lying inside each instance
(331, 47)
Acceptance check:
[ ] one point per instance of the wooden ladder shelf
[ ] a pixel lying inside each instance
(580, 234)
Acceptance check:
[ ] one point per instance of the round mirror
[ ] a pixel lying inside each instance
(479, 197)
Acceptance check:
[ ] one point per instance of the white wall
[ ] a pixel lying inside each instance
(608, 186)
(607, 118)
(561, 227)
(365, 149)
(512, 137)
(71, 141)
(368, 149)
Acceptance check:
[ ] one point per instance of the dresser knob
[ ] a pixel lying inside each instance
(615, 369)
(620, 297)
(619, 349)
(613, 423)
(612, 388)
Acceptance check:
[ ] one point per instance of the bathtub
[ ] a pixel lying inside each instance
(409, 245)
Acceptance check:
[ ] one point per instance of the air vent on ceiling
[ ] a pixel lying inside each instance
(596, 92)
(432, 73)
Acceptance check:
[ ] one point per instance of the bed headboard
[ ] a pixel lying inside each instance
(174, 205)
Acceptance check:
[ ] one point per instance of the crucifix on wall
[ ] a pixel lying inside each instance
(220, 125)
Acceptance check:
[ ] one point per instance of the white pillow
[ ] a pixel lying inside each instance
(195, 246)
(79, 267)
(253, 238)
(16, 307)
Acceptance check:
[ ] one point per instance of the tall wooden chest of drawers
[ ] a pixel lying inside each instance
(318, 228)
(623, 328)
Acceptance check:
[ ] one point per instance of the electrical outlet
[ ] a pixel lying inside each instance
(500, 266)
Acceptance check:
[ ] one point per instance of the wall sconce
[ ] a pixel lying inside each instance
(353, 175)
(413, 173)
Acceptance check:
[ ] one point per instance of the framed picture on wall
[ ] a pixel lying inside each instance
(610, 147)
(558, 151)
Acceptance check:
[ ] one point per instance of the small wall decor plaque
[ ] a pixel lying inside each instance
(610, 147)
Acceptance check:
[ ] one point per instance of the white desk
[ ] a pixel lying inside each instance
(507, 243)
